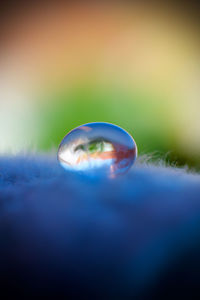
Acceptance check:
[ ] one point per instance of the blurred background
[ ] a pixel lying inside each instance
(135, 65)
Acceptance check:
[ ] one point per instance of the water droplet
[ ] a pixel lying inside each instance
(98, 148)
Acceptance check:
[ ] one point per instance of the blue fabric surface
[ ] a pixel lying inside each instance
(66, 235)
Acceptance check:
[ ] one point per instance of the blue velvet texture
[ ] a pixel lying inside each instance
(64, 235)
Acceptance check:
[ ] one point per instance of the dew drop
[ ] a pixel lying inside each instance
(98, 148)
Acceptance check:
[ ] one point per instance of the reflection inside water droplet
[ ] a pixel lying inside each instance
(97, 148)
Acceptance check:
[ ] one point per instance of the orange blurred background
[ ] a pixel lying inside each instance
(135, 65)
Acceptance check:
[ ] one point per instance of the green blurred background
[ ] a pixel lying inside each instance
(137, 66)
